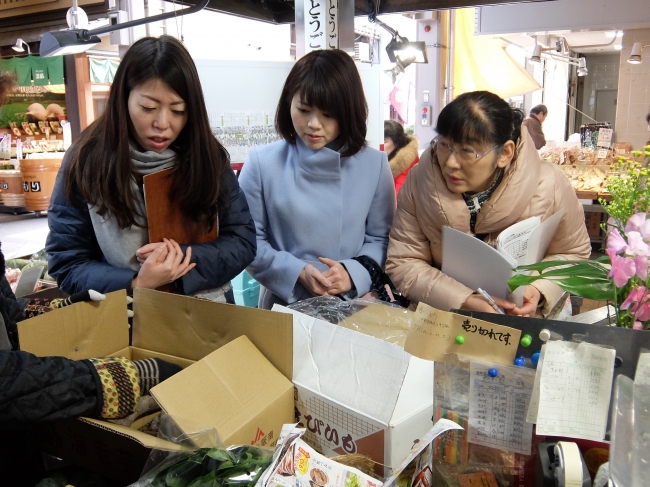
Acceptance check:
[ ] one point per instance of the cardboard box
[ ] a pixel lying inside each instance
(592, 222)
(358, 394)
(181, 330)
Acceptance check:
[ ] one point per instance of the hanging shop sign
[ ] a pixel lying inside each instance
(321, 25)
(102, 70)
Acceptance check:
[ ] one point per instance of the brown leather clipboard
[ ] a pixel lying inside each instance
(165, 218)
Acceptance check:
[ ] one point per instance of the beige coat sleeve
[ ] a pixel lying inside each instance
(571, 240)
(409, 263)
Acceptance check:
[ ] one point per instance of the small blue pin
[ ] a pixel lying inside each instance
(534, 358)
(520, 361)
(493, 372)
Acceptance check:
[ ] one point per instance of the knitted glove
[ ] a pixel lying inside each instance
(152, 371)
(37, 306)
(124, 382)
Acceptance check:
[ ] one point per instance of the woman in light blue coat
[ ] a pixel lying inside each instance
(322, 201)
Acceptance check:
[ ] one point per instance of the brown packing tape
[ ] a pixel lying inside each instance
(80, 331)
(434, 333)
(193, 328)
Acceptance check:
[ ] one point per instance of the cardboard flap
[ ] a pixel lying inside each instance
(193, 328)
(224, 390)
(79, 331)
(358, 371)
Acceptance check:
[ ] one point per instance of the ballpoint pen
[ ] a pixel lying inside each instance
(490, 300)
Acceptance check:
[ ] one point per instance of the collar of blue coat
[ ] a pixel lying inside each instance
(325, 162)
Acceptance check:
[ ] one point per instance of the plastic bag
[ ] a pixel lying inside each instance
(386, 321)
(200, 460)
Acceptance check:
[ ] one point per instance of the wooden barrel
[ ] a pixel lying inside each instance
(11, 187)
(39, 176)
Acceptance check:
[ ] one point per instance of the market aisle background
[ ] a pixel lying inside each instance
(22, 235)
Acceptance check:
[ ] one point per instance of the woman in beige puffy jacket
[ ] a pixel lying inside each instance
(480, 175)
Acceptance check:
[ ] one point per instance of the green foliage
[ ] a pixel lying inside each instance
(629, 191)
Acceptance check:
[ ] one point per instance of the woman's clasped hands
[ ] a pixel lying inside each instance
(161, 263)
(333, 281)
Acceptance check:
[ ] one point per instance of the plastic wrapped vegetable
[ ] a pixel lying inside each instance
(239, 466)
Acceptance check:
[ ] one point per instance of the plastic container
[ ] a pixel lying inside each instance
(39, 176)
(246, 290)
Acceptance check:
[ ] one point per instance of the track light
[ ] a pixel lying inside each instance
(19, 46)
(400, 47)
(399, 67)
(582, 67)
(536, 57)
(635, 57)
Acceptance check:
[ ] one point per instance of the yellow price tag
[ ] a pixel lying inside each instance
(303, 465)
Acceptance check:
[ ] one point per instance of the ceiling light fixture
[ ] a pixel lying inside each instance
(635, 56)
(74, 41)
(536, 57)
(400, 47)
(19, 46)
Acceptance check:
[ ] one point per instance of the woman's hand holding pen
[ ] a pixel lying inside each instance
(476, 302)
(162, 264)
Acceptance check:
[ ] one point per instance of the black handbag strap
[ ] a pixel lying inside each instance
(380, 281)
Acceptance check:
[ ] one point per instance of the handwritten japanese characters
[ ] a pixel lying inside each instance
(497, 407)
(575, 389)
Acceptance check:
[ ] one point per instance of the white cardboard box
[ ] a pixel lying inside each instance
(357, 393)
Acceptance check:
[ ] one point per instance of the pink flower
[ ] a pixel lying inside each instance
(638, 325)
(641, 264)
(615, 242)
(623, 269)
(637, 303)
(635, 222)
(636, 245)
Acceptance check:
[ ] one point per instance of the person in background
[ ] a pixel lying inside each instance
(155, 119)
(480, 175)
(402, 151)
(321, 199)
(534, 123)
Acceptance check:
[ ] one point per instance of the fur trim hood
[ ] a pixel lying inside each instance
(404, 157)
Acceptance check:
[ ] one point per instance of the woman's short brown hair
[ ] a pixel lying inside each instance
(328, 80)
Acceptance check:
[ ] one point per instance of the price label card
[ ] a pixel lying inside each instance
(604, 137)
(602, 153)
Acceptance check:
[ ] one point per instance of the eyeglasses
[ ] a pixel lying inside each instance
(463, 154)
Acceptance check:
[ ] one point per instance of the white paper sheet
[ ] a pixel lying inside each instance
(575, 389)
(642, 375)
(533, 406)
(497, 407)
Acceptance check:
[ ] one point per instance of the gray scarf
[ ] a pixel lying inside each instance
(119, 245)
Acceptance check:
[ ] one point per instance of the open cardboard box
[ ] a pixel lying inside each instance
(241, 387)
(358, 394)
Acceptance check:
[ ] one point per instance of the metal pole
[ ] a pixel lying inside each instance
(450, 58)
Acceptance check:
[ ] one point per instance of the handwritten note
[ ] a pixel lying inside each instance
(533, 406)
(433, 334)
(575, 389)
(497, 407)
(642, 375)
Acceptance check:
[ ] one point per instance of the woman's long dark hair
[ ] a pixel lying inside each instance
(101, 165)
(395, 132)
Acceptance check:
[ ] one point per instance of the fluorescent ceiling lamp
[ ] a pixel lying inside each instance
(613, 33)
(19, 46)
(635, 57)
(64, 42)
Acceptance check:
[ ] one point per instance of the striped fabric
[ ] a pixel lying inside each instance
(149, 374)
